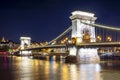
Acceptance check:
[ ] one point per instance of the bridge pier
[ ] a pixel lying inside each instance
(72, 57)
(82, 55)
(87, 55)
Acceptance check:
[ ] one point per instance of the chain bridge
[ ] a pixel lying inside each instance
(81, 42)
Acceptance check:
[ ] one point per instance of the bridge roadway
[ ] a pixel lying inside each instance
(100, 44)
(91, 44)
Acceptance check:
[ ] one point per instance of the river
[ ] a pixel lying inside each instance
(24, 68)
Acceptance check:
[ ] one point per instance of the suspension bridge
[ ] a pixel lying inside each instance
(81, 41)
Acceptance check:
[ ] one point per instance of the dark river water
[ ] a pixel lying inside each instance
(24, 68)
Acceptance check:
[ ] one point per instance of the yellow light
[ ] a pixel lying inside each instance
(62, 42)
(66, 38)
(99, 38)
(73, 40)
(109, 38)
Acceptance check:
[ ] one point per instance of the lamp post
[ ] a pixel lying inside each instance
(108, 39)
(99, 38)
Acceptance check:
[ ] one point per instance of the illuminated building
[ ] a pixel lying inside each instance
(8, 43)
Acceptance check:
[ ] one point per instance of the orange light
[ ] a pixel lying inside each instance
(99, 38)
(109, 38)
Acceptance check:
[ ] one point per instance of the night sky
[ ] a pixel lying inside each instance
(43, 20)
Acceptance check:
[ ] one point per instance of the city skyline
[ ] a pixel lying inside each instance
(45, 19)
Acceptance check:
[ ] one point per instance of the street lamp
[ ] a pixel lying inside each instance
(108, 38)
(99, 38)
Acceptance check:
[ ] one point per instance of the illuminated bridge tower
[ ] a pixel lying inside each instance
(25, 42)
(83, 33)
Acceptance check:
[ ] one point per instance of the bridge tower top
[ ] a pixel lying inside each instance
(83, 16)
(81, 31)
(25, 42)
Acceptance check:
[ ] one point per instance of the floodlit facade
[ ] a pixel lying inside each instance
(25, 43)
(80, 30)
(83, 33)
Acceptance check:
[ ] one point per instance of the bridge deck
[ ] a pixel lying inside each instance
(99, 44)
(91, 44)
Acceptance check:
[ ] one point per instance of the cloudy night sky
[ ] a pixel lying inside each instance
(43, 20)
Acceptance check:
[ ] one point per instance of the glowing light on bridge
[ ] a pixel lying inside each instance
(99, 38)
(108, 38)
(69, 41)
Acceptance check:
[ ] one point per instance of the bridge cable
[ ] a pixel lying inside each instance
(102, 26)
(62, 34)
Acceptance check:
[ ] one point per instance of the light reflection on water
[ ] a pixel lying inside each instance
(90, 72)
(23, 68)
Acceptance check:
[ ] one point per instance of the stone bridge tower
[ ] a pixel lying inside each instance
(83, 33)
(25, 43)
